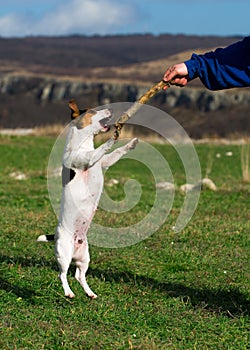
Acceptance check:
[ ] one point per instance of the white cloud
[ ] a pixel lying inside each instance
(73, 17)
(13, 24)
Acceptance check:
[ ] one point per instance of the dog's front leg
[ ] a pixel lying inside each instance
(81, 159)
(99, 152)
(113, 157)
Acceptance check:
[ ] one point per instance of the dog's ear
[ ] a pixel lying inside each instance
(75, 112)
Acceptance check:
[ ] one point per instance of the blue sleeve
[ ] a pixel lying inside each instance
(223, 68)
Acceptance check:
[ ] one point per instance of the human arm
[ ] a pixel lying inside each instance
(221, 69)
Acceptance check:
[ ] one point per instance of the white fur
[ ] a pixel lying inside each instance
(81, 195)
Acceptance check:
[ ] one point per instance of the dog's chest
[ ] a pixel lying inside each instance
(83, 192)
(92, 181)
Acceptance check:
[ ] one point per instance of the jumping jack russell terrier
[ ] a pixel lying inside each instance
(82, 180)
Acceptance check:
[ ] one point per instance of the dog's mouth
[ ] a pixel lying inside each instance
(105, 128)
(105, 124)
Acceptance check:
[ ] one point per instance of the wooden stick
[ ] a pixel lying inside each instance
(137, 105)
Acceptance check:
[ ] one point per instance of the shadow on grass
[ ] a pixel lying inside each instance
(231, 303)
(20, 292)
(29, 261)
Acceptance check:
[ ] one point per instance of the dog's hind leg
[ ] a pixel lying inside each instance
(63, 269)
(81, 269)
(64, 253)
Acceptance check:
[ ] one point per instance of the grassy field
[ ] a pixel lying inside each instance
(187, 290)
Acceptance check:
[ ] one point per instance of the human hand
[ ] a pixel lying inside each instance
(177, 75)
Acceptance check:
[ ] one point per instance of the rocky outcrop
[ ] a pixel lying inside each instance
(28, 101)
(46, 90)
(205, 100)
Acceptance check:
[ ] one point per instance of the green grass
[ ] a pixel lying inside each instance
(187, 290)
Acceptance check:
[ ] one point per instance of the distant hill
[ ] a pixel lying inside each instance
(68, 55)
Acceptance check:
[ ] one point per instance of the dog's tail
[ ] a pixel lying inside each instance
(46, 238)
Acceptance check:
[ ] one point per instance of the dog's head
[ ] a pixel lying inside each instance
(95, 121)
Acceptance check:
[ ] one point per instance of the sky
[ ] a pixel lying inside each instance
(20, 18)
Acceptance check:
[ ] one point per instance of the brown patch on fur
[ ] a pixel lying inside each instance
(85, 119)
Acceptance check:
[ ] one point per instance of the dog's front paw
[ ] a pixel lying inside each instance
(132, 144)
